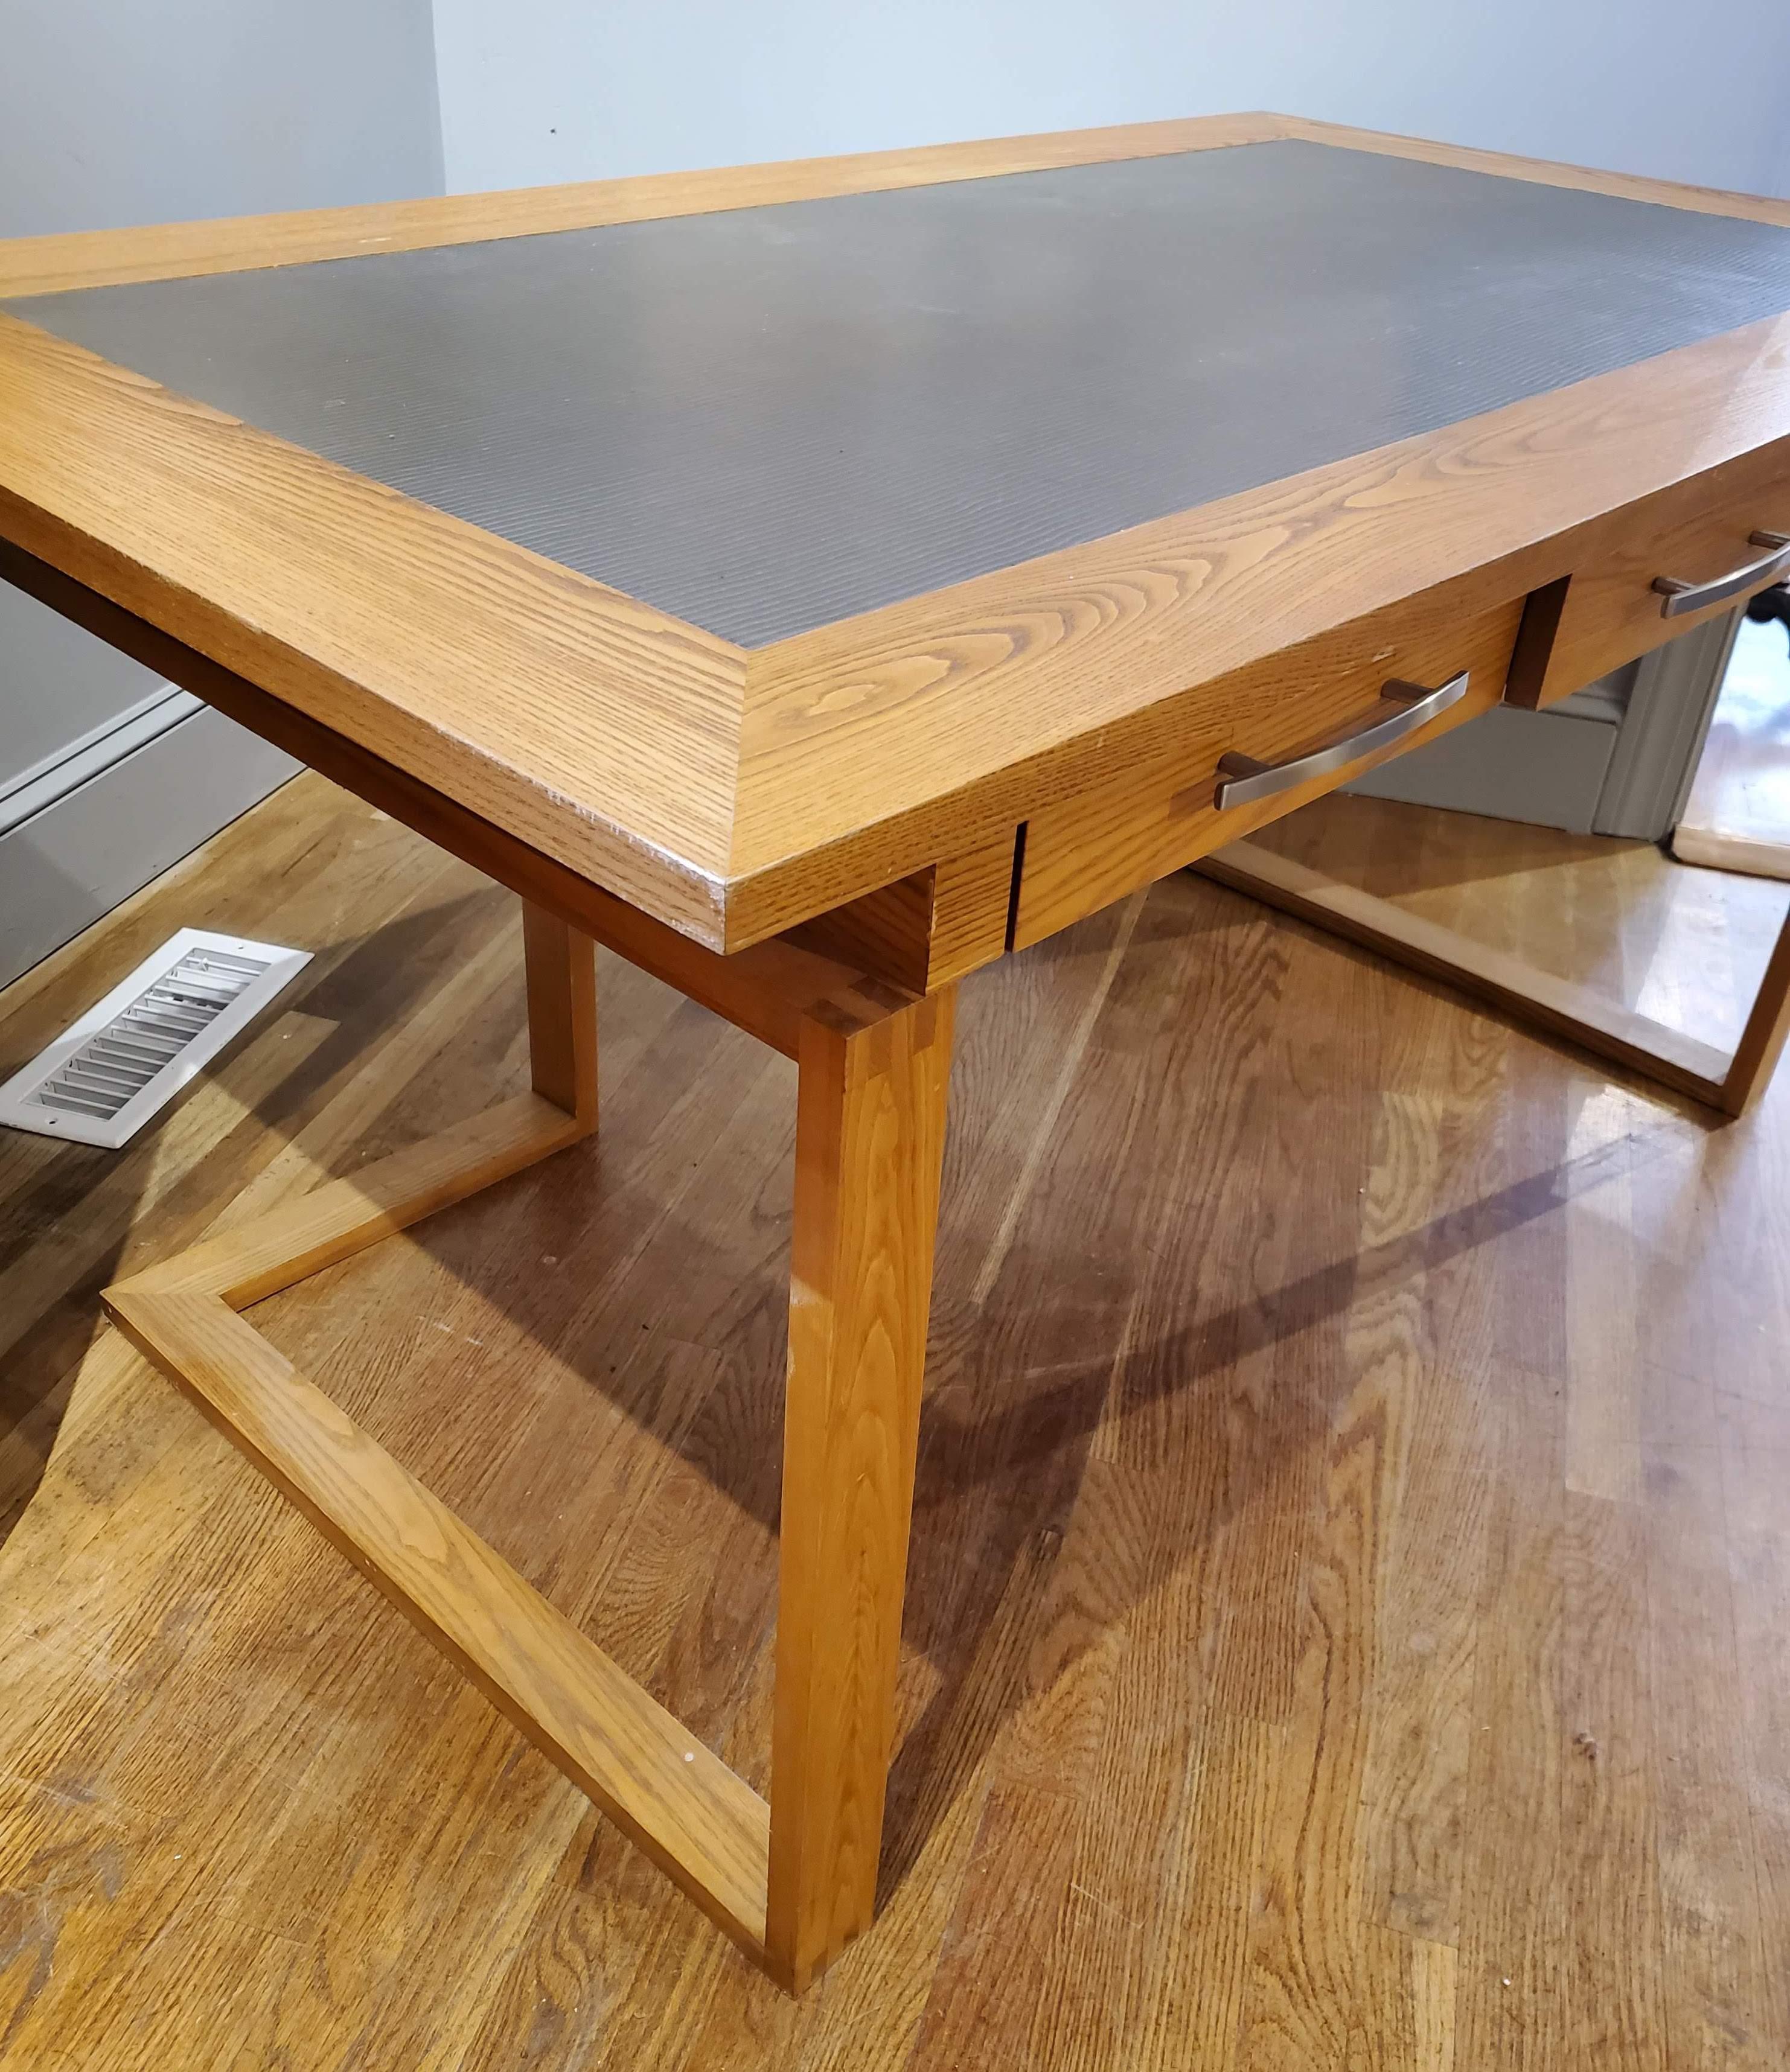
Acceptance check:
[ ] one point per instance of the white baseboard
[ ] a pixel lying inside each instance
(85, 829)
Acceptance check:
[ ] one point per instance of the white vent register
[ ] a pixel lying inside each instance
(127, 1057)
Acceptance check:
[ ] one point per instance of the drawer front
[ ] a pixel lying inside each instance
(1608, 612)
(1089, 850)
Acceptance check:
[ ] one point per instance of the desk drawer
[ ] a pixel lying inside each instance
(1607, 611)
(1085, 852)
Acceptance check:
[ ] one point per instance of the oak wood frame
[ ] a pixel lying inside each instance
(674, 795)
(1727, 1081)
(728, 794)
(793, 1878)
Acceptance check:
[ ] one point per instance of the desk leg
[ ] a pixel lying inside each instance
(791, 1881)
(870, 1138)
(1762, 1041)
(561, 969)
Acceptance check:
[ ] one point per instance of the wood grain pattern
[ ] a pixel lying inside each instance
(874, 1078)
(176, 250)
(762, 989)
(1610, 611)
(1728, 1081)
(1104, 843)
(227, 539)
(275, 1112)
(733, 797)
(160, 252)
(247, 1815)
(972, 908)
(1756, 1057)
(990, 700)
(870, 1144)
(674, 1799)
(1559, 1005)
(927, 929)
(331, 1223)
(562, 976)
(678, 1802)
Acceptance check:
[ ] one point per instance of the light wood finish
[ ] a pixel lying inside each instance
(1610, 613)
(869, 1143)
(922, 931)
(875, 1071)
(997, 697)
(326, 1225)
(1728, 1082)
(649, 787)
(180, 251)
(562, 971)
(663, 1789)
(1547, 172)
(971, 910)
(1314, 1619)
(64, 260)
(1093, 848)
(730, 795)
(425, 614)
(1556, 1004)
(1762, 1041)
(763, 989)
(1715, 851)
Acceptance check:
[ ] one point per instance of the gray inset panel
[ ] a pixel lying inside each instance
(765, 420)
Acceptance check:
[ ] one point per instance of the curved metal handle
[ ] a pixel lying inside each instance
(1682, 597)
(1244, 780)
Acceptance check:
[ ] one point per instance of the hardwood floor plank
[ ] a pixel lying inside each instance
(1759, 1552)
(1197, 1966)
(1266, 1563)
(707, 1829)
(1713, 1963)
(1435, 1383)
(1513, 2003)
(1609, 1847)
(995, 1970)
(1305, 1997)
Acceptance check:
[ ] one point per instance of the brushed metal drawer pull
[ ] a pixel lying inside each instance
(1681, 597)
(1243, 779)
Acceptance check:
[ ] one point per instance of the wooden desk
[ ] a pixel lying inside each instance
(813, 582)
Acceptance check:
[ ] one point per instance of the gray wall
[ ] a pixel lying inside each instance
(113, 113)
(541, 90)
(148, 111)
(116, 112)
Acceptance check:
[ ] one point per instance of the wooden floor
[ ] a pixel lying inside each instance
(1349, 1619)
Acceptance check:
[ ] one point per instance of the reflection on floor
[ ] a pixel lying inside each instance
(1684, 945)
(1346, 1622)
(1738, 816)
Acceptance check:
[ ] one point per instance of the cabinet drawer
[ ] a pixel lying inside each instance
(1084, 852)
(1607, 612)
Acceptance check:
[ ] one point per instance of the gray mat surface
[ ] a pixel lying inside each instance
(772, 418)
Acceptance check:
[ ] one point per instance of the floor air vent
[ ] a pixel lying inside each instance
(101, 1080)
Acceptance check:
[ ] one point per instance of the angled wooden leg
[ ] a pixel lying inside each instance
(562, 967)
(1761, 1044)
(791, 1887)
(870, 1137)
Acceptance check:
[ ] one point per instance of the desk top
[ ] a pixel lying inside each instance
(798, 528)
(766, 419)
